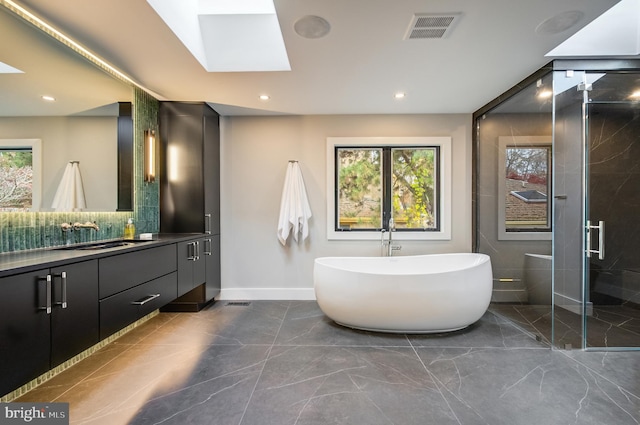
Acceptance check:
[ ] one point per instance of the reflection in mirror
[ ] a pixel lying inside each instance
(527, 179)
(20, 179)
(524, 187)
(80, 124)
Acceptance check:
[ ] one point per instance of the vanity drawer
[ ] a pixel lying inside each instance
(124, 308)
(124, 271)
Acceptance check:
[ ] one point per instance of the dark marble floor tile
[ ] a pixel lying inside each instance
(57, 387)
(605, 334)
(609, 326)
(147, 329)
(568, 329)
(286, 363)
(305, 324)
(526, 386)
(534, 319)
(257, 323)
(346, 385)
(616, 315)
(211, 386)
(489, 331)
(622, 368)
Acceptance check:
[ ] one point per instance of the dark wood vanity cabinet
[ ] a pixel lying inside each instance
(48, 316)
(74, 324)
(25, 329)
(198, 264)
(212, 265)
(134, 284)
(191, 265)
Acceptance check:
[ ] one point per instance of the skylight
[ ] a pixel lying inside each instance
(227, 35)
(614, 33)
(7, 69)
(530, 195)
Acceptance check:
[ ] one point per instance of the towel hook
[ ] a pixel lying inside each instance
(293, 160)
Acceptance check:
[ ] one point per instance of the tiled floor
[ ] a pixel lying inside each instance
(281, 363)
(608, 326)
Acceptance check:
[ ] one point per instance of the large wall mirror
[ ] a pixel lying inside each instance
(80, 124)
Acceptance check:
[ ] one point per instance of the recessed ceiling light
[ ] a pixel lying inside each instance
(560, 22)
(400, 95)
(264, 97)
(635, 94)
(49, 98)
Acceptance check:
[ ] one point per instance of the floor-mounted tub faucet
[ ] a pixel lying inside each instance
(387, 246)
(392, 228)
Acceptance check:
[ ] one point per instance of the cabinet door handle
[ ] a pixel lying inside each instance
(207, 224)
(63, 278)
(47, 307)
(145, 300)
(208, 251)
(197, 249)
(191, 251)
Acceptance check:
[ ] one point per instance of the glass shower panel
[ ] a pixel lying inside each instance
(568, 131)
(512, 215)
(592, 123)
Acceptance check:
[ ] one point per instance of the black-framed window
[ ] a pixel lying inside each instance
(376, 183)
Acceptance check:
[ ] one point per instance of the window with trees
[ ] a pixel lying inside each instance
(16, 179)
(20, 174)
(378, 183)
(376, 179)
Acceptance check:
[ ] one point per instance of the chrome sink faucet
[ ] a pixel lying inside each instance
(69, 227)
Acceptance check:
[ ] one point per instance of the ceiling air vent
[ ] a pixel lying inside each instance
(425, 26)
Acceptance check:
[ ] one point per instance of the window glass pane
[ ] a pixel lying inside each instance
(359, 200)
(16, 180)
(527, 188)
(413, 184)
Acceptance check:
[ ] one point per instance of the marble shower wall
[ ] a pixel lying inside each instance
(614, 193)
(32, 230)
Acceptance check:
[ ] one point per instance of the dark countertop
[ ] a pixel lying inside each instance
(25, 261)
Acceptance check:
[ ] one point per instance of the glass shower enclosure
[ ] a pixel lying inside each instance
(561, 228)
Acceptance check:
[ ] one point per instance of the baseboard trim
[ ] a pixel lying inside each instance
(298, 294)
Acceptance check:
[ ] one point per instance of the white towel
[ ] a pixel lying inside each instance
(70, 193)
(295, 210)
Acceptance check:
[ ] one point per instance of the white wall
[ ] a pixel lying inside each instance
(91, 140)
(254, 156)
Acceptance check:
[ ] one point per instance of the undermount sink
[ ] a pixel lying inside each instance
(97, 245)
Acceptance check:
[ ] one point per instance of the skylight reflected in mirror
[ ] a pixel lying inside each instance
(8, 69)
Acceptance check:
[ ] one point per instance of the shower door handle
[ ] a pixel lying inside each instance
(600, 250)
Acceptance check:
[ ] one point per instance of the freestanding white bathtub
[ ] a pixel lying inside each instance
(410, 294)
